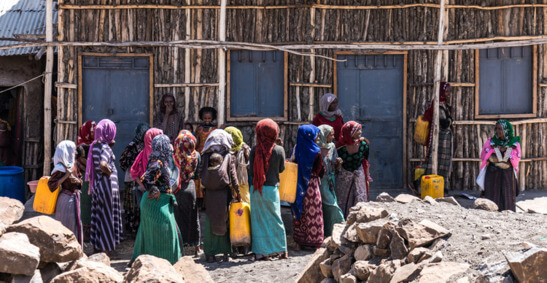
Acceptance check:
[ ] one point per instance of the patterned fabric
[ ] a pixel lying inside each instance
(187, 214)
(488, 150)
(105, 132)
(129, 155)
(140, 132)
(139, 166)
(202, 132)
(348, 130)
(173, 128)
(267, 229)
(87, 133)
(508, 135)
(324, 104)
(237, 136)
(444, 155)
(325, 130)
(156, 176)
(267, 132)
(131, 208)
(106, 218)
(332, 214)
(350, 188)
(186, 156)
(308, 229)
(67, 211)
(218, 141)
(352, 162)
(500, 186)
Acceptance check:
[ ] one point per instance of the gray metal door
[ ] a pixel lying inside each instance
(117, 88)
(370, 91)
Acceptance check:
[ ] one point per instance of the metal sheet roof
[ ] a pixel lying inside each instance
(22, 17)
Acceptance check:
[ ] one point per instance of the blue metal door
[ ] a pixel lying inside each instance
(370, 91)
(117, 88)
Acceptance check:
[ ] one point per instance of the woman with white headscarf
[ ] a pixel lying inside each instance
(64, 177)
(329, 114)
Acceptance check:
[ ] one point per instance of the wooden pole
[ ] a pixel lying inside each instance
(437, 82)
(222, 65)
(47, 88)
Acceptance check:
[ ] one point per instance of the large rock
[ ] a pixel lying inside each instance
(148, 268)
(363, 252)
(192, 272)
(450, 200)
(90, 271)
(18, 255)
(368, 232)
(362, 269)
(312, 272)
(34, 278)
(384, 197)
(49, 271)
(441, 272)
(351, 234)
(435, 229)
(530, 266)
(419, 235)
(406, 273)
(368, 214)
(348, 278)
(341, 266)
(384, 236)
(397, 246)
(100, 257)
(380, 252)
(336, 237)
(417, 255)
(430, 200)
(384, 272)
(326, 268)
(406, 198)
(11, 210)
(485, 204)
(56, 242)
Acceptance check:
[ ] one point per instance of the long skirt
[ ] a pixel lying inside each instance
(187, 215)
(158, 231)
(308, 230)
(500, 186)
(215, 244)
(131, 209)
(106, 215)
(85, 209)
(332, 213)
(267, 230)
(444, 155)
(67, 211)
(351, 188)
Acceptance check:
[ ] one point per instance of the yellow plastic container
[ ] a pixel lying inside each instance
(288, 180)
(418, 172)
(240, 224)
(44, 199)
(433, 186)
(421, 131)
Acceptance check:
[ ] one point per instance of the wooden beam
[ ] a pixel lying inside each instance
(186, 85)
(221, 94)
(66, 85)
(47, 88)
(311, 85)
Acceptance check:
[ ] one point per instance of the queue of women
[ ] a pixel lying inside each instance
(171, 174)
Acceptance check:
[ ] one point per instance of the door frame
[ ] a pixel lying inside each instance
(80, 79)
(405, 64)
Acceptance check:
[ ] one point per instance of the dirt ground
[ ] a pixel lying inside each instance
(477, 236)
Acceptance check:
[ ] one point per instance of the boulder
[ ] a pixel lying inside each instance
(148, 268)
(384, 236)
(340, 267)
(100, 257)
(419, 235)
(56, 242)
(89, 271)
(435, 229)
(406, 273)
(406, 198)
(362, 269)
(368, 232)
(363, 252)
(397, 246)
(191, 271)
(18, 255)
(328, 280)
(384, 197)
(529, 266)
(351, 234)
(441, 272)
(326, 268)
(494, 271)
(380, 252)
(415, 255)
(430, 200)
(11, 210)
(49, 271)
(34, 278)
(485, 204)
(348, 278)
(450, 200)
(346, 250)
(368, 214)
(438, 244)
(384, 272)
(436, 257)
(337, 232)
(312, 272)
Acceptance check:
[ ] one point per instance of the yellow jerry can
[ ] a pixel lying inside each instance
(240, 224)
(421, 131)
(433, 186)
(45, 200)
(288, 180)
(418, 172)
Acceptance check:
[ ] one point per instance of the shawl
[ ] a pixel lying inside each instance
(105, 132)
(218, 141)
(305, 152)
(139, 166)
(443, 91)
(161, 149)
(64, 156)
(488, 150)
(325, 130)
(85, 136)
(509, 138)
(348, 130)
(267, 132)
(324, 104)
(237, 136)
(239, 149)
(140, 131)
(186, 156)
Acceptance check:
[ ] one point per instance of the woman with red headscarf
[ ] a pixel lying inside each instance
(351, 182)
(267, 160)
(86, 135)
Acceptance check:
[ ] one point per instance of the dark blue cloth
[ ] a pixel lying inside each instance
(305, 153)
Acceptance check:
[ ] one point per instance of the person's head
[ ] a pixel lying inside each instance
(65, 153)
(351, 133)
(237, 136)
(333, 105)
(188, 127)
(161, 148)
(105, 131)
(208, 115)
(267, 130)
(168, 103)
(328, 105)
(357, 134)
(215, 159)
(499, 131)
(87, 133)
(444, 92)
(150, 135)
(140, 131)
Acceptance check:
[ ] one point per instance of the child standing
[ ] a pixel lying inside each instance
(208, 115)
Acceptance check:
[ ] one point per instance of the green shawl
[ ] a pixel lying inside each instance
(508, 133)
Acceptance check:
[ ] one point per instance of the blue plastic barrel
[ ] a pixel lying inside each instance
(12, 182)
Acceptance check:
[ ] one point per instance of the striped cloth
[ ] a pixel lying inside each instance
(444, 155)
(106, 213)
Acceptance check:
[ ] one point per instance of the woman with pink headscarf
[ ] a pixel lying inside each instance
(139, 166)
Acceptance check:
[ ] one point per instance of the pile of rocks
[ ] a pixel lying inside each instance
(41, 249)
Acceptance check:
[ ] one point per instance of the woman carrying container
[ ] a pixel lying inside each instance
(86, 136)
(241, 151)
(267, 160)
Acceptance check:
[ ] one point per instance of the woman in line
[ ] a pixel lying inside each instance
(158, 233)
(241, 151)
(267, 160)
(501, 155)
(332, 214)
(218, 180)
(186, 213)
(86, 136)
(106, 212)
(64, 175)
(351, 182)
(141, 162)
(169, 119)
(307, 211)
(329, 114)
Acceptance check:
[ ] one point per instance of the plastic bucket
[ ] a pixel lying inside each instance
(12, 183)
(33, 185)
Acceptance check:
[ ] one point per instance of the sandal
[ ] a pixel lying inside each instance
(283, 255)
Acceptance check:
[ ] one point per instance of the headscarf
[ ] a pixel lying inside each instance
(325, 130)
(510, 140)
(267, 132)
(348, 130)
(84, 137)
(324, 104)
(186, 156)
(305, 152)
(443, 91)
(105, 132)
(237, 136)
(139, 166)
(140, 131)
(161, 149)
(64, 156)
(218, 141)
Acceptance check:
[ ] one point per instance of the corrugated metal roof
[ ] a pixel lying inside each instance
(22, 17)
